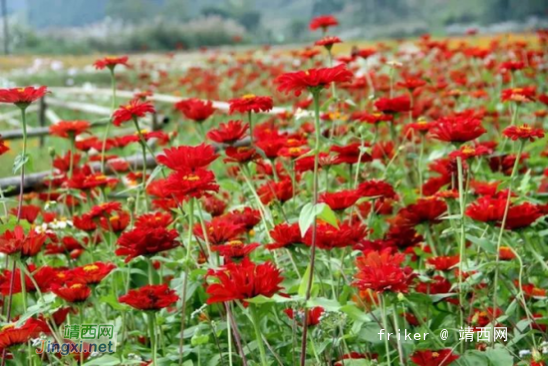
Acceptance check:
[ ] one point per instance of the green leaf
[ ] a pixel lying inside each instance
(309, 212)
(20, 161)
(106, 360)
(304, 282)
(525, 186)
(111, 300)
(327, 304)
(500, 357)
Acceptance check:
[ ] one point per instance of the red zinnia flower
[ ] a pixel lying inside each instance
(11, 336)
(136, 108)
(250, 103)
(350, 154)
(196, 109)
(3, 147)
(382, 271)
(146, 241)
(313, 79)
(68, 129)
(185, 158)
(457, 129)
(28, 212)
(244, 280)
(339, 201)
(424, 210)
(523, 132)
(71, 292)
(411, 83)
(191, 183)
(152, 220)
(486, 209)
(111, 62)
(394, 105)
(235, 249)
(443, 263)
(323, 22)
(228, 133)
(521, 216)
(220, 230)
(282, 191)
(150, 297)
(240, 154)
(328, 42)
(442, 357)
(329, 237)
(12, 242)
(91, 274)
(22, 97)
(285, 235)
(314, 316)
(519, 95)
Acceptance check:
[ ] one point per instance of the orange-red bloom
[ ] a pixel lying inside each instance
(443, 357)
(68, 129)
(146, 241)
(250, 103)
(185, 158)
(150, 297)
(382, 271)
(393, 105)
(136, 108)
(244, 280)
(111, 62)
(523, 132)
(22, 97)
(323, 22)
(228, 133)
(313, 79)
(91, 274)
(72, 292)
(196, 109)
(457, 129)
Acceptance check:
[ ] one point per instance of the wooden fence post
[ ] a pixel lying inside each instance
(42, 117)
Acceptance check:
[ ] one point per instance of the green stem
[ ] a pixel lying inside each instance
(72, 143)
(144, 152)
(421, 156)
(462, 242)
(185, 280)
(385, 325)
(503, 224)
(255, 321)
(152, 334)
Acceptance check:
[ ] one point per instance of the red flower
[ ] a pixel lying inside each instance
(22, 97)
(244, 280)
(250, 103)
(519, 95)
(240, 154)
(323, 22)
(235, 249)
(393, 105)
(115, 223)
(314, 316)
(522, 216)
(281, 191)
(111, 62)
(185, 158)
(136, 108)
(376, 188)
(11, 336)
(313, 79)
(13, 242)
(68, 129)
(329, 237)
(424, 210)
(195, 109)
(486, 209)
(72, 291)
(285, 235)
(523, 132)
(43, 277)
(382, 271)
(328, 42)
(150, 297)
(228, 133)
(28, 212)
(105, 209)
(146, 242)
(350, 154)
(3, 147)
(457, 129)
(191, 184)
(443, 263)
(339, 201)
(91, 274)
(220, 230)
(153, 220)
(411, 83)
(442, 357)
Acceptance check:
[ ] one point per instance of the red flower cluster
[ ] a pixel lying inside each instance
(150, 297)
(313, 79)
(195, 109)
(136, 108)
(382, 271)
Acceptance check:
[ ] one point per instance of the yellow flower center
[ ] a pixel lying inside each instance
(90, 268)
(524, 128)
(248, 96)
(468, 150)
(435, 354)
(294, 150)
(191, 177)
(76, 286)
(235, 242)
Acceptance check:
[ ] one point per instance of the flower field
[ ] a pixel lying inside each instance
(379, 205)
